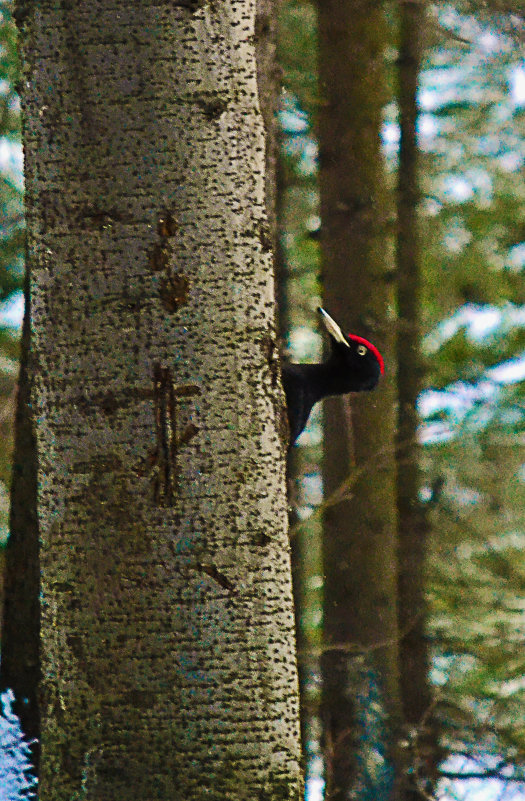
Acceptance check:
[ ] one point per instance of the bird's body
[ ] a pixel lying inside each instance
(354, 365)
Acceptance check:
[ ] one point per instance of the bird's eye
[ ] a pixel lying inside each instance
(361, 350)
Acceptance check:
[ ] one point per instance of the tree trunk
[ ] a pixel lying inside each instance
(20, 663)
(413, 527)
(360, 547)
(269, 87)
(167, 617)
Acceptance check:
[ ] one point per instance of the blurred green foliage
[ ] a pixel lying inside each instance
(472, 218)
(475, 226)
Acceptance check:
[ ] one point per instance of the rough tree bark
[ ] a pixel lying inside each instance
(360, 546)
(167, 618)
(413, 527)
(269, 86)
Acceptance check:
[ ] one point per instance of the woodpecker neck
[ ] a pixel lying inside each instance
(326, 379)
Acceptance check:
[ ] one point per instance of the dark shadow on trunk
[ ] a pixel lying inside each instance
(20, 666)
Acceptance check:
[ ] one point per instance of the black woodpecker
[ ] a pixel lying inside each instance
(354, 365)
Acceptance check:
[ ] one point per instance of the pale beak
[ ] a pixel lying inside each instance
(332, 327)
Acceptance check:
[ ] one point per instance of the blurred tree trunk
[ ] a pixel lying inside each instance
(20, 663)
(269, 83)
(360, 545)
(414, 657)
(167, 621)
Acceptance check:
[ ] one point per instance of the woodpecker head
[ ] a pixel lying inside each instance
(359, 363)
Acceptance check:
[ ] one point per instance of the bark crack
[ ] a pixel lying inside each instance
(169, 435)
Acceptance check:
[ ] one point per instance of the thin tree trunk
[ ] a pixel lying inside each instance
(268, 79)
(269, 74)
(360, 547)
(413, 527)
(167, 617)
(20, 663)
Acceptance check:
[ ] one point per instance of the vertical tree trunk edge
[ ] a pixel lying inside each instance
(20, 663)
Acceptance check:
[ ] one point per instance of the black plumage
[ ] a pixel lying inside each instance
(354, 365)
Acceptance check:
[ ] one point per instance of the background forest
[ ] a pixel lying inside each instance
(471, 377)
